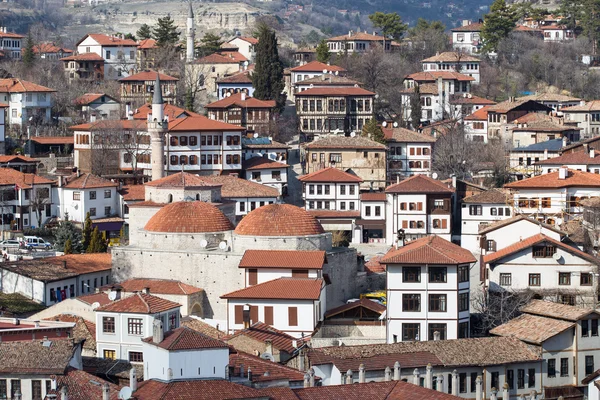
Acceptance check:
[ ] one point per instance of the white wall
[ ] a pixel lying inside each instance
(78, 209)
(184, 364)
(471, 223)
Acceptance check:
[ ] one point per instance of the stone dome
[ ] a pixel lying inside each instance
(189, 217)
(279, 220)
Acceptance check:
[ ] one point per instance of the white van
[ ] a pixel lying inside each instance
(34, 242)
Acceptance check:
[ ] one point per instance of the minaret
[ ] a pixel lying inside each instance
(190, 35)
(157, 128)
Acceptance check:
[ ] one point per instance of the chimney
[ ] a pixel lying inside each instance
(545, 154)
(416, 377)
(63, 393)
(563, 172)
(454, 181)
(146, 290)
(455, 383)
(249, 374)
(349, 377)
(397, 371)
(128, 112)
(16, 321)
(592, 153)
(311, 373)
(565, 141)
(387, 374)
(466, 22)
(306, 380)
(53, 384)
(436, 336)
(158, 333)
(92, 118)
(440, 383)
(429, 377)
(105, 392)
(241, 370)
(269, 346)
(361, 374)
(132, 380)
(440, 88)
(243, 96)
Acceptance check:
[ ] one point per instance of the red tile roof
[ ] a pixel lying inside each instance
(470, 99)
(83, 57)
(279, 220)
(147, 44)
(479, 115)
(82, 386)
(241, 77)
(160, 286)
(262, 332)
(216, 58)
(54, 139)
(233, 187)
(9, 176)
(140, 303)
(557, 310)
(184, 338)
(148, 76)
(234, 55)
(551, 181)
(403, 135)
(169, 110)
(106, 40)
(133, 192)
(32, 357)
(11, 35)
(373, 196)
(365, 303)
(374, 265)
(580, 157)
(419, 184)
(516, 218)
(16, 85)
(363, 36)
(17, 158)
(264, 370)
(336, 91)
(89, 181)
(593, 105)
(90, 299)
(429, 250)
(532, 329)
(189, 217)
(236, 100)
(475, 27)
(201, 123)
(89, 98)
(283, 259)
(281, 289)
(531, 241)
(50, 48)
(330, 174)
(256, 163)
(334, 214)
(451, 56)
(181, 180)
(432, 76)
(196, 390)
(317, 66)
(248, 39)
(345, 142)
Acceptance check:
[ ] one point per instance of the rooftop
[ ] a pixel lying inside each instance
(479, 115)
(317, 66)
(419, 184)
(89, 98)
(184, 338)
(492, 196)
(364, 303)
(37, 357)
(262, 143)
(372, 196)
(576, 158)
(258, 163)
(335, 91)
(556, 310)
(217, 58)
(432, 76)
(511, 104)
(239, 101)
(553, 145)
(52, 269)
(264, 370)
(451, 56)
(160, 286)
(106, 40)
(283, 259)
(471, 99)
(429, 250)
(545, 126)
(181, 180)
(140, 303)
(552, 181)
(589, 106)
(133, 192)
(362, 36)
(189, 217)
(195, 389)
(474, 27)
(14, 178)
(170, 111)
(148, 76)
(512, 220)
(262, 332)
(551, 97)
(240, 77)
(403, 135)
(89, 181)
(345, 142)
(533, 329)
(82, 386)
(233, 187)
(282, 289)
(330, 174)
(328, 80)
(279, 220)
(320, 214)
(202, 327)
(84, 57)
(200, 123)
(16, 85)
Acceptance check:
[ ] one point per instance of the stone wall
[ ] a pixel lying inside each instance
(348, 335)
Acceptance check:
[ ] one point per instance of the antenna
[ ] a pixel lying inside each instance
(267, 356)
(203, 243)
(325, 71)
(223, 245)
(255, 135)
(125, 393)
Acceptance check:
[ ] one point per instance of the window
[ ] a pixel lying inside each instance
(493, 211)
(107, 194)
(534, 279)
(76, 196)
(377, 211)
(327, 189)
(585, 328)
(410, 332)
(311, 189)
(531, 378)
(36, 389)
(342, 190)
(15, 386)
(589, 365)
(319, 189)
(437, 302)
(585, 279)
(544, 251)
(564, 367)
(594, 327)
(463, 302)
(441, 328)
(3, 388)
(107, 210)
(136, 356)
(551, 368)
(474, 210)
(520, 379)
(491, 245)
(463, 273)
(505, 279)
(564, 278)
(411, 302)
(462, 382)
(463, 330)
(411, 274)
(368, 211)
(108, 324)
(495, 381)
(110, 354)
(352, 189)
(93, 195)
(134, 326)
(510, 379)
(293, 316)
(437, 274)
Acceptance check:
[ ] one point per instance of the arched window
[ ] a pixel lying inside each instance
(183, 160)
(174, 160)
(193, 160)
(170, 198)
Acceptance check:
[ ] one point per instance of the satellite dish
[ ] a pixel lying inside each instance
(95, 305)
(255, 135)
(337, 73)
(112, 296)
(267, 356)
(203, 243)
(384, 124)
(125, 393)
(245, 63)
(356, 85)
(324, 71)
(223, 245)
(352, 134)
(434, 175)
(395, 124)
(311, 86)
(557, 256)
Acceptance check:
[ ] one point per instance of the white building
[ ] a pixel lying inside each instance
(265, 147)
(122, 324)
(557, 33)
(479, 211)
(311, 70)
(418, 206)
(528, 160)
(267, 172)
(93, 106)
(467, 38)
(586, 116)
(359, 42)
(455, 61)
(245, 45)
(584, 161)
(119, 54)
(88, 194)
(27, 101)
(476, 125)
(409, 153)
(427, 291)
(10, 44)
(262, 266)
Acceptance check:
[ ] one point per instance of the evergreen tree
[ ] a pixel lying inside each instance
(373, 131)
(130, 36)
(66, 231)
(210, 43)
(166, 32)
(144, 32)
(391, 24)
(28, 53)
(415, 108)
(68, 247)
(189, 100)
(497, 25)
(267, 78)
(87, 231)
(323, 52)
(97, 243)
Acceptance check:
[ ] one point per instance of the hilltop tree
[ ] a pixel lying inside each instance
(322, 51)
(497, 25)
(210, 43)
(268, 70)
(87, 231)
(28, 52)
(415, 108)
(166, 32)
(144, 32)
(391, 24)
(373, 131)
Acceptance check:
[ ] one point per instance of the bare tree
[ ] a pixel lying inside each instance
(454, 154)
(492, 309)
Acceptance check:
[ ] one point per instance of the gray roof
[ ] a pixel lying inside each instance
(37, 357)
(550, 145)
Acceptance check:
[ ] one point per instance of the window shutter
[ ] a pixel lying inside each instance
(239, 315)
(493, 245)
(252, 277)
(444, 223)
(269, 315)
(419, 206)
(404, 224)
(293, 316)
(253, 314)
(446, 205)
(482, 241)
(299, 273)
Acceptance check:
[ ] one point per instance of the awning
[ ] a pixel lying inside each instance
(108, 224)
(371, 224)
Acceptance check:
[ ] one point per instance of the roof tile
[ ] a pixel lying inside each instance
(89, 181)
(429, 250)
(236, 99)
(282, 288)
(335, 91)
(279, 220)
(552, 181)
(140, 303)
(556, 310)
(317, 66)
(50, 269)
(419, 184)
(233, 187)
(261, 332)
(330, 174)
(283, 259)
(160, 286)
(345, 142)
(189, 217)
(532, 329)
(184, 338)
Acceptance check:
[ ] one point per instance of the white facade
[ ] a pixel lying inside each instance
(468, 41)
(245, 47)
(332, 196)
(120, 59)
(520, 229)
(469, 68)
(100, 202)
(25, 105)
(557, 34)
(407, 159)
(167, 365)
(246, 204)
(11, 44)
(272, 177)
(475, 216)
(19, 204)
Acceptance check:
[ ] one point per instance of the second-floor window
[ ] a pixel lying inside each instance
(437, 302)
(535, 279)
(108, 324)
(438, 274)
(564, 278)
(107, 194)
(93, 195)
(411, 274)
(463, 273)
(505, 279)
(76, 196)
(134, 326)
(411, 302)
(475, 210)
(564, 367)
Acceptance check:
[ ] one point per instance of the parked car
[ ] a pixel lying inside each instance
(34, 242)
(10, 243)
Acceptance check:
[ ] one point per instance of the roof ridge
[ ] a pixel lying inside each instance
(144, 301)
(85, 181)
(181, 287)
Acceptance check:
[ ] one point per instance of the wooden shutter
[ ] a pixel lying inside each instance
(446, 205)
(482, 241)
(412, 151)
(253, 314)
(404, 224)
(293, 316)
(493, 245)
(269, 315)
(239, 315)
(252, 277)
(299, 273)
(444, 223)
(419, 206)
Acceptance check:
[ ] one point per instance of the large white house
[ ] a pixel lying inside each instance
(119, 54)
(467, 38)
(88, 194)
(453, 61)
(427, 290)
(27, 101)
(409, 152)
(479, 211)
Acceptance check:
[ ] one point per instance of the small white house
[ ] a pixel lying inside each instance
(119, 54)
(96, 106)
(267, 172)
(409, 152)
(245, 45)
(479, 211)
(122, 324)
(313, 69)
(27, 101)
(467, 38)
(371, 226)
(476, 125)
(88, 193)
(331, 189)
(266, 265)
(455, 61)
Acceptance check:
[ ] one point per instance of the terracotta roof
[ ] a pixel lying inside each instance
(89, 181)
(419, 184)
(592, 202)
(451, 56)
(373, 196)
(330, 174)
(257, 163)
(195, 389)
(579, 157)
(492, 196)
(317, 66)
(335, 91)
(334, 214)
(532, 329)
(593, 105)
(531, 241)
(479, 115)
(89, 98)
(83, 57)
(51, 269)
(475, 27)
(545, 126)
(363, 36)
(53, 139)
(17, 158)
(552, 97)
(82, 386)
(248, 39)
(184, 338)
(403, 135)
(374, 265)
(507, 105)
(92, 298)
(282, 289)
(169, 110)
(551, 181)
(264, 370)
(365, 303)
(234, 55)
(556, 310)
(16, 85)
(189, 217)
(516, 218)
(148, 76)
(241, 77)
(140, 303)
(216, 58)
(106, 40)
(111, 124)
(279, 220)
(283, 259)
(181, 180)
(449, 353)
(147, 44)
(160, 286)
(50, 48)
(345, 142)
(429, 250)
(202, 327)
(262, 332)
(11, 35)
(201, 123)
(233, 187)
(133, 192)
(33, 358)
(424, 88)
(328, 80)
(432, 76)
(262, 143)
(470, 99)
(82, 331)
(236, 100)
